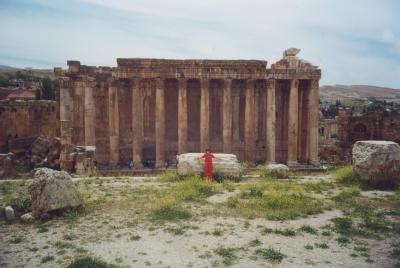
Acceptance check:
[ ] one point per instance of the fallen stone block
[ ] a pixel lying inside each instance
(52, 190)
(226, 165)
(378, 162)
(278, 170)
(9, 213)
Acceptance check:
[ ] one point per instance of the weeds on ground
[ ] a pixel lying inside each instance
(274, 200)
(270, 254)
(347, 176)
(308, 229)
(228, 255)
(89, 262)
(169, 176)
(284, 232)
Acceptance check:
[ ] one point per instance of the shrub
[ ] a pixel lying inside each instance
(270, 254)
(343, 225)
(347, 194)
(347, 176)
(89, 262)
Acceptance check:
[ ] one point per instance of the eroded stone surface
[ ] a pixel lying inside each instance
(9, 213)
(52, 190)
(377, 161)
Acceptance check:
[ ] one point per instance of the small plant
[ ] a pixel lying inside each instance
(254, 243)
(63, 245)
(347, 176)
(308, 247)
(135, 237)
(228, 255)
(43, 228)
(343, 240)
(343, 225)
(322, 245)
(270, 254)
(308, 229)
(89, 262)
(169, 176)
(326, 233)
(217, 232)
(17, 239)
(47, 258)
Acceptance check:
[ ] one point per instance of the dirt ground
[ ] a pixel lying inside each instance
(120, 231)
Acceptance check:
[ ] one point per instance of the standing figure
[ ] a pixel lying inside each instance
(208, 165)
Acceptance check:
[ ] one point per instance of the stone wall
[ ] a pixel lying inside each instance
(20, 120)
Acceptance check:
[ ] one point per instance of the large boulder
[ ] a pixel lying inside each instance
(377, 161)
(52, 190)
(278, 170)
(227, 165)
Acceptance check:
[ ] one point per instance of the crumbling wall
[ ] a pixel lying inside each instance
(26, 119)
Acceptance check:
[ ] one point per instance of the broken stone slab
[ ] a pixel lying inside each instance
(278, 170)
(227, 165)
(52, 190)
(27, 217)
(378, 162)
(9, 213)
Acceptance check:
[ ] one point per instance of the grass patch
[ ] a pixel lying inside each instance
(228, 255)
(170, 211)
(347, 176)
(309, 247)
(89, 262)
(322, 245)
(343, 225)
(274, 200)
(343, 240)
(270, 254)
(169, 176)
(347, 194)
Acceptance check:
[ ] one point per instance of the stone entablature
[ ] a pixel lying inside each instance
(152, 109)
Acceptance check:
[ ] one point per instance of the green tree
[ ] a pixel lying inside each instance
(47, 89)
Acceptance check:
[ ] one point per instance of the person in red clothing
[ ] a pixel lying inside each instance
(208, 164)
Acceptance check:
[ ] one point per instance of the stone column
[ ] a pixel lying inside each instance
(137, 124)
(271, 118)
(227, 117)
(160, 124)
(182, 117)
(293, 122)
(313, 111)
(89, 113)
(204, 115)
(113, 123)
(249, 122)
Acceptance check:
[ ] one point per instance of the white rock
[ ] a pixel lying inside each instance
(52, 190)
(225, 164)
(377, 161)
(27, 217)
(279, 170)
(9, 212)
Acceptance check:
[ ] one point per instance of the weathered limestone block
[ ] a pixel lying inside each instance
(226, 165)
(27, 217)
(278, 170)
(9, 213)
(377, 161)
(52, 190)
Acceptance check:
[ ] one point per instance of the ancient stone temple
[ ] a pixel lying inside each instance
(153, 109)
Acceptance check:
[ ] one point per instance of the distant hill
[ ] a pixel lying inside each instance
(7, 68)
(358, 93)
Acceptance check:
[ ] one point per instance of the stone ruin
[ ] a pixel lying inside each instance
(150, 110)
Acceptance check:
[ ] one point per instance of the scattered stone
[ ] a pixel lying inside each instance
(377, 161)
(52, 190)
(27, 217)
(84, 160)
(227, 165)
(45, 152)
(9, 212)
(278, 170)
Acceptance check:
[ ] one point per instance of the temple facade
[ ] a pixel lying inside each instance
(153, 109)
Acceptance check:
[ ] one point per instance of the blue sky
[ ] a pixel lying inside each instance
(353, 42)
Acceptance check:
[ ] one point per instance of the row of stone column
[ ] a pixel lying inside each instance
(137, 121)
